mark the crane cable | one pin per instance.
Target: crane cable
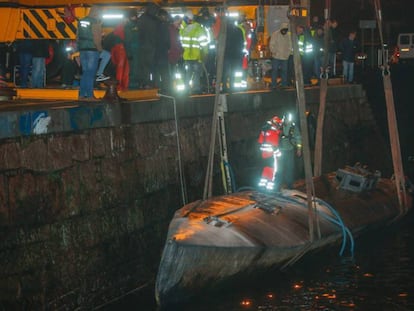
(323, 90)
(208, 183)
(301, 102)
(392, 121)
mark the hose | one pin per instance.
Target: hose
(338, 221)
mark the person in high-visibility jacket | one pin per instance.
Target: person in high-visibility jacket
(247, 39)
(233, 58)
(306, 52)
(269, 146)
(194, 40)
(242, 24)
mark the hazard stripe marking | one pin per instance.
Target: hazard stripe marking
(46, 24)
(41, 19)
(30, 28)
(67, 31)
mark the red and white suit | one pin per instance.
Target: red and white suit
(269, 145)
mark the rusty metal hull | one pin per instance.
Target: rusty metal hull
(210, 241)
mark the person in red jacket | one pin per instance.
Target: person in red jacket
(269, 145)
(119, 55)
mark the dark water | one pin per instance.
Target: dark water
(380, 276)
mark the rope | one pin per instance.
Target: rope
(392, 122)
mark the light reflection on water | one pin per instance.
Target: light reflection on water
(379, 277)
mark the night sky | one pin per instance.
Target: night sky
(397, 14)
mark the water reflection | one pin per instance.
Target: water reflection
(379, 277)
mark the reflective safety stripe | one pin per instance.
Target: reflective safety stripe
(84, 23)
(45, 24)
(270, 185)
(179, 82)
(262, 182)
(266, 148)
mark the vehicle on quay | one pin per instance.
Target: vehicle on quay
(405, 45)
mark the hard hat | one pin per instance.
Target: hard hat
(277, 121)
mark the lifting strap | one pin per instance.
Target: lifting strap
(392, 121)
(301, 102)
(208, 184)
(323, 90)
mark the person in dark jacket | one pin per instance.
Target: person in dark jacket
(148, 36)
(333, 45)
(318, 48)
(161, 73)
(349, 47)
(39, 55)
(71, 65)
(233, 55)
(131, 44)
(175, 53)
(89, 42)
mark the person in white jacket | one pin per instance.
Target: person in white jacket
(280, 46)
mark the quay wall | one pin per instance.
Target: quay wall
(87, 191)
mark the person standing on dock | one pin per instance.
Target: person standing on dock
(25, 54)
(349, 47)
(280, 46)
(39, 54)
(89, 37)
(194, 40)
(131, 44)
(333, 45)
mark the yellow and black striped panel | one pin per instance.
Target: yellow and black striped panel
(46, 24)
